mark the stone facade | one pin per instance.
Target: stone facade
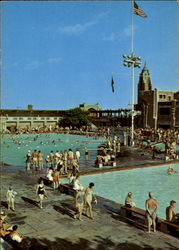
(159, 109)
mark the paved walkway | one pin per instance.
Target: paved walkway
(54, 227)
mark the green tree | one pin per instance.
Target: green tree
(75, 118)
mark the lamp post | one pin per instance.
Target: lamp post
(133, 61)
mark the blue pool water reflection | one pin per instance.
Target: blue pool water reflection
(115, 185)
(15, 147)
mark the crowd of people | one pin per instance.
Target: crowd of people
(12, 235)
(84, 197)
(169, 138)
(85, 130)
(61, 161)
(67, 163)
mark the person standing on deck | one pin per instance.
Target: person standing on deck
(10, 198)
(28, 160)
(51, 159)
(151, 206)
(40, 191)
(89, 196)
(86, 154)
(65, 161)
(40, 160)
(70, 156)
(35, 159)
(77, 154)
(79, 200)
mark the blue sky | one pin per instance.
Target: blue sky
(56, 55)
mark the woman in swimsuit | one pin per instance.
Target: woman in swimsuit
(40, 191)
(89, 196)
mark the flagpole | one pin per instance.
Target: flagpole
(133, 61)
(132, 99)
(132, 26)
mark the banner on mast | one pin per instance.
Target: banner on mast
(138, 11)
(112, 84)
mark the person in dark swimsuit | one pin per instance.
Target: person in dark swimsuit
(86, 154)
(40, 191)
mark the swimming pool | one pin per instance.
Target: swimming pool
(14, 147)
(140, 181)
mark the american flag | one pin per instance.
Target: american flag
(138, 11)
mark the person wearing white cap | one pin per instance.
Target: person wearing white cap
(10, 198)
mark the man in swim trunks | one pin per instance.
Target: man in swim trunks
(35, 159)
(151, 206)
(40, 160)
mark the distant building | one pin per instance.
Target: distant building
(155, 109)
(88, 107)
(13, 119)
(159, 109)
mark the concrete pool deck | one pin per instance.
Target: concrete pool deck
(54, 227)
(129, 158)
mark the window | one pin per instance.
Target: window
(162, 96)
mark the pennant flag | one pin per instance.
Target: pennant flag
(138, 11)
(112, 84)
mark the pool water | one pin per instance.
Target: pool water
(141, 181)
(14, 147)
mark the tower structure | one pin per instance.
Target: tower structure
(144, 83)
(159, 108)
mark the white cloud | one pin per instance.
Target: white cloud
(35, 64)
(110, 37)
(74, 29)
(127, 31)
(54, 60)
(80, 28)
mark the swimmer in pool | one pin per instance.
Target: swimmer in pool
(170, 170)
